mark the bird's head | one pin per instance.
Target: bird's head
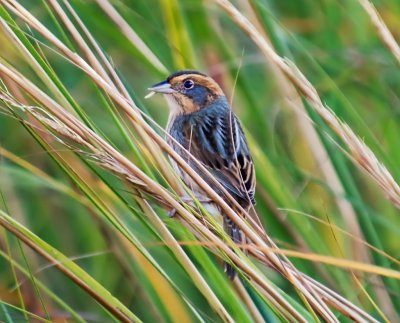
(188, 91)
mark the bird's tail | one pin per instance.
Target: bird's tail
(237, 236)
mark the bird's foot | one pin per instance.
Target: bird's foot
(171, 213)
(189, 200)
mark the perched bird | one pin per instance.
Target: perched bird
(202, 121)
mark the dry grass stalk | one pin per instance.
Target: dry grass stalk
(119, 312)
(115, 82)
(106, 160)
(108, 67)
(366, 159)
(179, 252)
(363, 156)
(333, 299)
(210, 237)
(359, 250)
(155, 188)
(317, 149)
(35, 65)
(91, 59)
(321, 156)
(381, 28)
(126, 107)
(339, 262)
(131, 35)
(269, 257)
(353, 237)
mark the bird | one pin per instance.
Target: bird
(201, 124)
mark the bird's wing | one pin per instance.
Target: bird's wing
(217, 140)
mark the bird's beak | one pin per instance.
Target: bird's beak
(163, 87)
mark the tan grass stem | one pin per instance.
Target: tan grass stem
(131, 113)
(73, 124)
(285, 269)
(118, 311)
(131, 35)
(382, 30)
(362, 155)
(118, 85)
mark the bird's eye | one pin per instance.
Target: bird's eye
(188, 84)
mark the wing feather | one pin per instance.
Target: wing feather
(218, 142)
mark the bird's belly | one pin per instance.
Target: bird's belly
(195, 189)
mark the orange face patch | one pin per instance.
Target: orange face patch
(205, 81)
(184, 104)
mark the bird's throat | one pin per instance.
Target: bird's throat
(180, 104)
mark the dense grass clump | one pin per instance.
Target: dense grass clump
(86, 182)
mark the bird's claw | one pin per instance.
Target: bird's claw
(171, 213)
(189, 200)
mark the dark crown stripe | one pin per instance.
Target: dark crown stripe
(184, 72)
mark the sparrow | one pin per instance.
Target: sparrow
(203, 123)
